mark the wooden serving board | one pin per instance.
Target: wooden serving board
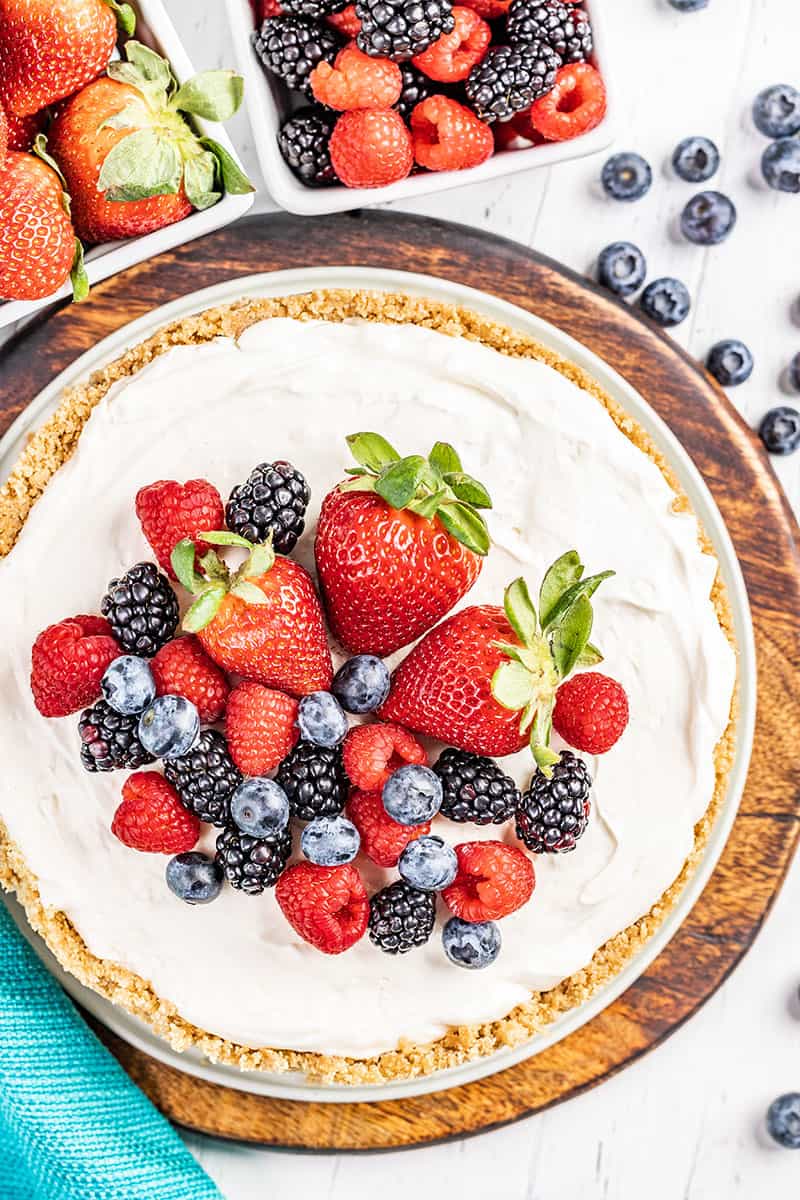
(727, 917)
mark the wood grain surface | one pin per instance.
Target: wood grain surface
(725, 920)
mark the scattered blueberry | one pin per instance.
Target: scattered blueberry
(621, 268)
(730, 362)
(321, 719)
(626, 176)
(412, 795)
(776, 111)
(780, 430)
(794, 372)
(780, 165)
(260, 807)
(428, 863)
(168, 727)
(689, 5)
(330, 841)
(708, 218)
(194, 877)
(666, 301)
(695, 159)
(471, 944)
(361, 684)
(128, 685)
(783, 1120)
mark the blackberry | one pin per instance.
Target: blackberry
(110, 739)
(314, 10)
(554, 812)
(315, 781)
(401, 917)
(564, 28)
(303, 141)
(249, 863)
(142, 610)
(272, 500)
(475, 789)
(416, 88)
(205, 778)
(291, 48)
(400, 29)
(510, 78)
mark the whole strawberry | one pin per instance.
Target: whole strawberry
(327, 906)
(152, 818)
(261, 727)
(398, 545)
(169, 511)
(37, 241)
(182, 668)
(68, 661)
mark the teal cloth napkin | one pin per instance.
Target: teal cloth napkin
(72, 1124)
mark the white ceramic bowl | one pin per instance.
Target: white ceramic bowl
(265, 98)
(154, 27)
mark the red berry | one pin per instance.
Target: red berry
(575, 104)
(345, 22)
(327, 906)
(182, 668)
(261, 727)
(489, 9)
(382, 839)
(452, 56)
(373, 752)
(356, 81)
(591, 712)
(266, 9)
(151, 816)
(68, 660)
(448, 136)
(493, 880)
(371, 147)
(170, 511)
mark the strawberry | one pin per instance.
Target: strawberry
(152, 818)
(591, 712)
(261, 727)
(327, 906)
(68, 661)
(182, 668)
(22, 131)
(3, 135)
(493, 880)
(169, 511)
(264, 622)
(38, 249)
(398, 545)
(383, 839)
(371, 753)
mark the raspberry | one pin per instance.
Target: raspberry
(493, 880)
(266, 9)
(489, 9)
(449, 137)
(261, 726)
(356, 81)
(591, 712)
(382, 839)
(68, 660)
(345, 22)
(371, 148)
(575, 104)
(373, 752)
(151, 816)
(169, 511)
(327, 906)
(453, 55)
(182, 668)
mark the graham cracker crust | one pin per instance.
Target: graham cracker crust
(52, 445)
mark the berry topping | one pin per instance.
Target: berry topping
(695, 159)
(416, 88)
(252, 864)
(666, 301)
(382, 839)
(345, 22)
(780, 165)
(783, 1120)
(776, 111)
(182, 668)
(290, 48)
(313, 9)
(510, 78)
(371, 147)
(622, 268)
(206, 778)
(321, 719)
(151, 816)
(260, 807)
(303, 141)
(261, 727)
(357, 81)
(315, 781)
(575, 104)
(169, 511)
(626, 176)
(493, 880)
(554, 812)
(490, 9)
(168, 727)
(401, 28)
(471, 944)
(591, 712)
(110, 740)
(780, 430)
(362, 684)
(373, 752)
(708, 218)
(194, 877)
(401, 917)
(128, 684)
(448, 136)
(453, 55)
(142, 609)
(428, 863)
(412, 795)
(326, 906)
(272, 500)
(565, 28)
(330, 841)
(730, 362)
(475, 789)
(68, 662)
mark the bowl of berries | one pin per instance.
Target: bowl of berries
(360, 103)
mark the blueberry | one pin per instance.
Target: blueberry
(689, 5)
(260, 807)
(776, 111)
(780, 430)
(695, 159)
(621, 268)
(330, 841)
(361, 684)
(412, 795)
(794, 372)
(730, 362)
(321, 719)
(708, 218)
(780, 165)
(428, 863)
(128, 685)
(168, 728)
(783, 1120)
(626, 176)
(194, 877)
(666, 301)
(471, 944)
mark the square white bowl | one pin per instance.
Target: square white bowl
(154, 27)
(265, 98)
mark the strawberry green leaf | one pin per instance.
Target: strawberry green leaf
(571, 636)
(444, 459)
(363, 483)
(151, 66)
(590, 656)
(249, 592)
(126, 17)
(465, 526)
(468, 489)
(260, 560)
(78, 276)
(564, 572)
(520, 611)
(143, 164)
(223, 537)
(213, 95)
(213, 566)
(199, 178)
(233, 177)
(545, 758)
(584, 587)
(513, 686)
(398, 484)
(372, 451)
(133, 116)
(182, 559)
(541, 732)
(205, 608)
(428, 506)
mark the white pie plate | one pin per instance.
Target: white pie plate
(295, 1086)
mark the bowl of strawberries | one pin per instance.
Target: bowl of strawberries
(359, 103)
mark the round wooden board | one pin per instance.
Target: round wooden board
(727, 917)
